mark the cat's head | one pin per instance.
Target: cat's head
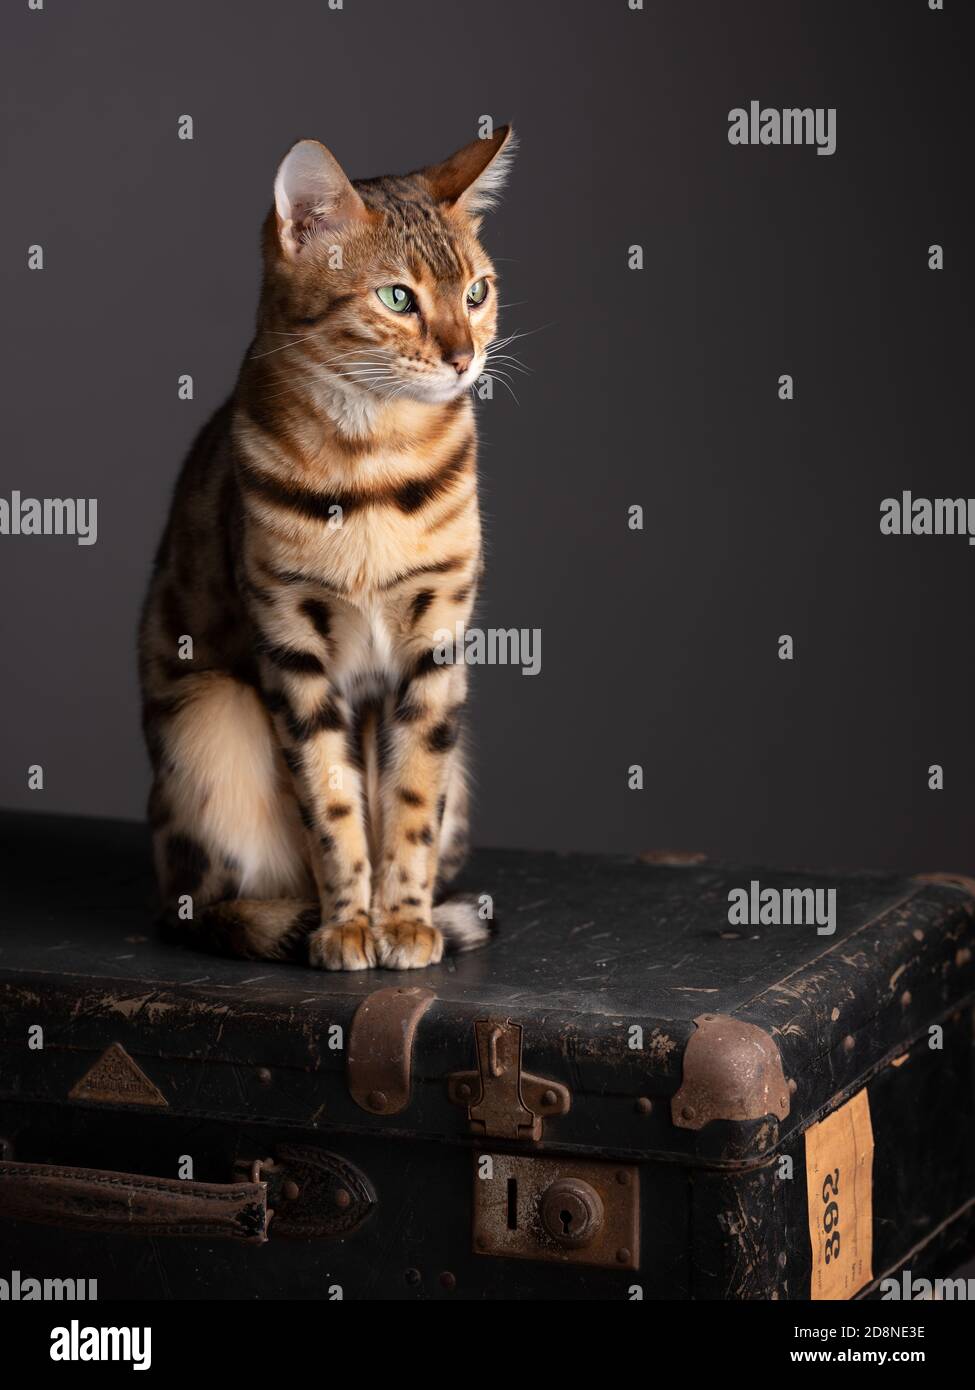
(385, 276)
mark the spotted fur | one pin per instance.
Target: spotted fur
(309, 797)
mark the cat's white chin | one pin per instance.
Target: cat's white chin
(442, 391)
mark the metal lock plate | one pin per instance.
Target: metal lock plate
(564, 1210)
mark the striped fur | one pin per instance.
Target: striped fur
(309, 797)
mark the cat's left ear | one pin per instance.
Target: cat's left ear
(312, 193)
(470, 180)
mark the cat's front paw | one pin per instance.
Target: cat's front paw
(345, 945)
(408, 945)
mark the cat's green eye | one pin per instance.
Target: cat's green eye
(477, 292)
(397, 298)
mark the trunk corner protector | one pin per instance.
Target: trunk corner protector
(731, 1071)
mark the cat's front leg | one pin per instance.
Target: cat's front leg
(312, 722)
(424, 727)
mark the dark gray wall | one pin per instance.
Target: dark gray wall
(655, 387)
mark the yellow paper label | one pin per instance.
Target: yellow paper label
(839, 1189)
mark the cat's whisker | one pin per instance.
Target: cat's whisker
(378, 355)
(528, 333)
(495, 376)
(361, 366)
(509, 361)
(362, 375)
(345, 357)
(282, 347)
(498, 350)
(508, 367)
(382, 383)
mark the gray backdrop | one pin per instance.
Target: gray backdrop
(656, 387)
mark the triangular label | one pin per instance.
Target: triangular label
(116, 1080)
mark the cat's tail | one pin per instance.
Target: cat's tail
(464, 929)
(249, 928)
(279, 928)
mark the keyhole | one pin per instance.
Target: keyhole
(571, 1211)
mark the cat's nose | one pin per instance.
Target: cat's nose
(460, 359)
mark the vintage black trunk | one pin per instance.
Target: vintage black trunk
(622, 1096)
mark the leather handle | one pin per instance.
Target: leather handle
(101, 1201)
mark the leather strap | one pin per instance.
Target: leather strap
(98, 1200)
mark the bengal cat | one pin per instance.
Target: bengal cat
(309, 798)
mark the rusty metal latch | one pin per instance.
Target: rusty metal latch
(503, 1101)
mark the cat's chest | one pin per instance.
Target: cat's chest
(396, 515)
(366, 657)
(371, 546)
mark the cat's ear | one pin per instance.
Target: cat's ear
(471, 179)
(312, 193)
